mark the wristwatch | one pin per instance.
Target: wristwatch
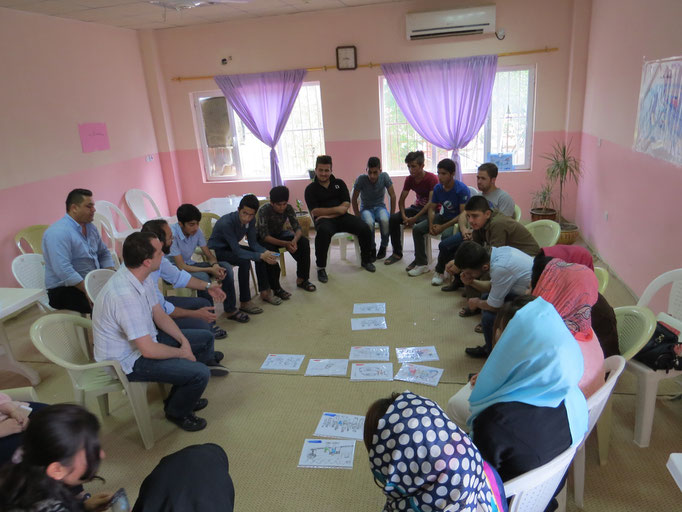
(208, 285)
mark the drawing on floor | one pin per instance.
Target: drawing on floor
(369, 353)
(371, 371)
(345, 426)
(327, 367)
(366, 324)
(289, 362)
(369, 308)
(420, 374)
(416, 354)
(327, 453)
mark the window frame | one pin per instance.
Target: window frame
(487, 126)
(200, 133)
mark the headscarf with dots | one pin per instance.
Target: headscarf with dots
(425, 462)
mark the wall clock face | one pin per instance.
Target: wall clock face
(346, 57)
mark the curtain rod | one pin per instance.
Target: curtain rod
(369, 65)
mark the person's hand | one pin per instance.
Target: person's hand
(451, 268)
(217, 271)
(409, 221)
(269, 257)
(9, 426)
(99, 501)
(319, 217)
(436, 229)
(466, 233)
(472, 380)
(292, 246)
(20, 414)
(186, 352)
(207, 314)
(217, 293)
(473, 303)
(466, 278)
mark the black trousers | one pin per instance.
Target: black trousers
(302, 257)
(244, 271)
(394, 223)
(69, 297)
(326, 228)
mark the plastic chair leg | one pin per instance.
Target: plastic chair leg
(427, 245)
(604, 433)
(579, 476)
(137, 394)
(282, 263)
(647, 386)
(342, 248)
(358, 254)
(103, 404)
(253, 278)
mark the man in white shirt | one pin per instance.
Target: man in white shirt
(125, 316)
(510, 272)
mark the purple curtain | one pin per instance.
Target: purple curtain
(445, 101)
(263, 101)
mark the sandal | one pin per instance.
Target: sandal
(307, 286)
(273, 299)
(478, 329)
(240, 317)
(283, 294)
(251, 309)
(465, 312)
(392, 259)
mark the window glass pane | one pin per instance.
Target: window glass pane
(509, 114)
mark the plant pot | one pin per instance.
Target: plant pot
(569, 234)
(305, 221)
(542, 213)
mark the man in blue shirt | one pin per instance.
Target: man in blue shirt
(452, 195)
(72, 247)
(371, 188)
(227, 233)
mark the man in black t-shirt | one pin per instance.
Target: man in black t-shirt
(328, 201)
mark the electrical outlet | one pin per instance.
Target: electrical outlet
(606, 216)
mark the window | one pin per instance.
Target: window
(232, 152)
(508, 128)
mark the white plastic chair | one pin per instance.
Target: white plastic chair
(343, 239)
(95, 281)
(546, 232)
(473, 191)
(517, 213)
(62, 339)
(532, 491)
(110, 211)
(613, 366)
(26, 394)
(602, 278)
(29, 271)
(135, 198)
(647, 379)
(105, 230)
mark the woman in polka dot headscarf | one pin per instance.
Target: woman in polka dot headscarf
(424, 462)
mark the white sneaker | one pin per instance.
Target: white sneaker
(418, 270)
(437, 279)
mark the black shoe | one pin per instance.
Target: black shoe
(382, 253)
(452, 287)
(322, 275)
(190, 423)
(201, 404)
(218, 333)
(369, 266)
(477, 352)
(373, 256)
(217, 369)
(218, 356)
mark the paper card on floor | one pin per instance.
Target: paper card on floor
(327, 453)
(369, 308)
(345, 426)
(371, 371)
(416, 354)
(420, 374)
(282, 362)
(370, 322)
(376, 353)
(327, 367)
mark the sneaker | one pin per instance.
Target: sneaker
(382, 253)
(322, 275)
(218, 356)
(369, 266)
(418, 270)
(217, 369)
(201, 404)
(479, 352)
(437, 279)
(190, 423)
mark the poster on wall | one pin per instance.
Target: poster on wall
(659, 120)
(93, 136)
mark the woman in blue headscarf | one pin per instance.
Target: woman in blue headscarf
(424, 462)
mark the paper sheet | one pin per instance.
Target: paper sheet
(371, 371)
(344, 426)
(419, 374)
(327, 367)
(369, 308)
(282, 362)
(327, 453)
(367, 323)
(375, 353)
(416, 354)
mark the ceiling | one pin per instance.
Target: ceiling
(140, 14)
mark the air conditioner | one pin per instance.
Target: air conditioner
(455, 22)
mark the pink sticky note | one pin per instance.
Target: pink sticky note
(93, 137)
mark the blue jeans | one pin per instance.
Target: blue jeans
(488, 321)
(189, 379)
(227, 285)
(447, 249)
(201, 340)
(419, 232)
(191, 303)
(377, 214)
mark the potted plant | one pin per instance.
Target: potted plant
(541, 206)
(303, 218)
(562, 168)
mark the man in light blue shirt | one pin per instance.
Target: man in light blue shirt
(72, 247)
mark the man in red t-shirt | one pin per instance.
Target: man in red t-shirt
(422, 183)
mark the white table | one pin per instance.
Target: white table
(222, 205)
(12, 301)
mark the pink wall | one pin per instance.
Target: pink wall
(626, 184)
(57, 73)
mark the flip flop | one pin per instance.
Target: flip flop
(283, 294)
(465, 312)
(274, 300)
(392, 259)
(307, 286)
(240, 317)
(478, 329)
(252, 310)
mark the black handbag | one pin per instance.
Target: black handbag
(659, 352)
